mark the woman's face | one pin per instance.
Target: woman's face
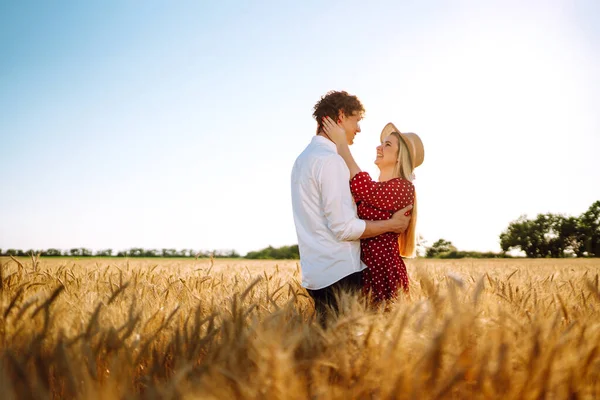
(387, 152)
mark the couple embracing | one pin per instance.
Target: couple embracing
(353, 230)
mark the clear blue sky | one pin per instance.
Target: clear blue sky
(176, 124)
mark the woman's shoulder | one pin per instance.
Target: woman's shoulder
(401, 183)
(362, 176)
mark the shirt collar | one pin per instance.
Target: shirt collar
(323, 141)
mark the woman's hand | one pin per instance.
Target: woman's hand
(335, 132)
(337, 135)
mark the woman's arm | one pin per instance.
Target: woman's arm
(338, 136)
(388, 196)
(344, 151)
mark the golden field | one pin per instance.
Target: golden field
(108, 328)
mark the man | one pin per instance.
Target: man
(324, 212)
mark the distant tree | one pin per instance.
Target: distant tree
(554, 235)
(217, 254)
(522, 234)
(51, 253)
(223, 254)
(264, 254)
(272, 253)
(200, 254)
(439, 248)
(169, 253)
(75, 252)
(135, 252)
(151, 253)
(454, 254)
(233, 254)
(549, 231)
(589, 230)
(184, 253)
(572, 237)
(192, 253)
(104, 253)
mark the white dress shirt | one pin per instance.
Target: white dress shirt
(325, 216)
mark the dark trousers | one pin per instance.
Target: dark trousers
(325, 298)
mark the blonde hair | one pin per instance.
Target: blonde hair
(403, 169)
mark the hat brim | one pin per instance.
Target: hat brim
(387, 129)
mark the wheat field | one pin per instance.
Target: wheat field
(111, 328)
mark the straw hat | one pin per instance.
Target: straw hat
(412, 140)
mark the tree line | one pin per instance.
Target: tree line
(547, 235)
(268, 253)
(272, 253)
(555, 235)
(445, 249)
(133, 252)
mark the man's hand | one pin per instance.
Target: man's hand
(400, 219)
(397, 224)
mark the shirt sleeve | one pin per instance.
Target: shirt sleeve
(337, 203)
(388, 196)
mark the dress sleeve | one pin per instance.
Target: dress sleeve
(389, 196)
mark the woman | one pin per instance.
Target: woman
(397, 156)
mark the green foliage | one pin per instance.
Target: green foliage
(472, 254)
(80, 252)
(445, 249)
(169, 253)
(51, 253)
(133, 252)
(589, 230)
(439, 248)
(271, 253)
(554, 235)
(548, 235)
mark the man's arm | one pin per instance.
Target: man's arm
(336, 200)
(398, 224)
(340, 212)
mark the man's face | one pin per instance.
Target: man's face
(351, 125)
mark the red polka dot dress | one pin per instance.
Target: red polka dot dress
(377, 201)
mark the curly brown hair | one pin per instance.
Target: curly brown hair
(333, 102)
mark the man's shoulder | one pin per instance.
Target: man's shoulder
(318, 154)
